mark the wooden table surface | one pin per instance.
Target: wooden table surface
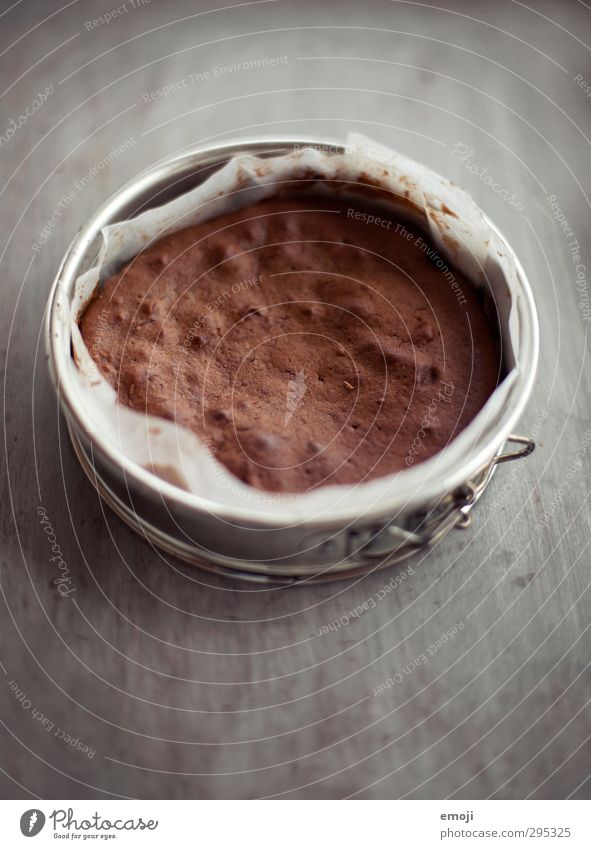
(151, 679)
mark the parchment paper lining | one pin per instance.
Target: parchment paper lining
(458, 231)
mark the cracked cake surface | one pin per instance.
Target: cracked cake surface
(305, 341)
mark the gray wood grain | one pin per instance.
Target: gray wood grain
(184, 685)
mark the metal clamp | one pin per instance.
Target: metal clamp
(396, 543)
(528, 447)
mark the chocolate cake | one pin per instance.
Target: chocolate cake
(305, 341)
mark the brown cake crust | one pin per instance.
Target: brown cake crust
(303, 344)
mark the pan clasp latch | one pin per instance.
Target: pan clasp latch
(395, 543)
(527, 444)
(483, 477)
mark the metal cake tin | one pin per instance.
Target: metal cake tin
(249, 543)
